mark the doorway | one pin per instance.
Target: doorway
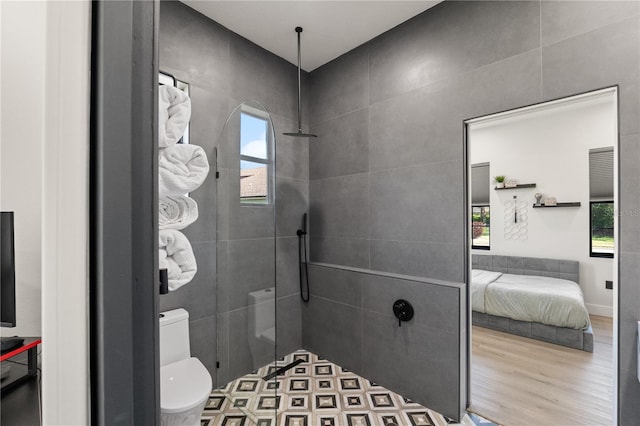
(543, 194)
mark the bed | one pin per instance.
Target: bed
(531, 297)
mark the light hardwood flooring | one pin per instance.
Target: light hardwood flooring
(518, 381)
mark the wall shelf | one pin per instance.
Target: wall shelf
(519, 186)
(542, 206)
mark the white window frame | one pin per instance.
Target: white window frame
(268, 162)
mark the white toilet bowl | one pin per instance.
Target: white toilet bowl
(185, 384)
(184, 390)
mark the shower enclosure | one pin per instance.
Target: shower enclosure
(246, 263)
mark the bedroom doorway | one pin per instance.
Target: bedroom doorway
(542, 214)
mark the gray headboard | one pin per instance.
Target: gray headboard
(555, 268)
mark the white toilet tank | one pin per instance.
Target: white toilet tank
(174, 336)
(262, 313)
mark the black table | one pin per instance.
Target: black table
(31, 347)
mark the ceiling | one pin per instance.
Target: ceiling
(331, 28)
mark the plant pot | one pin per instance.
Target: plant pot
(499, 184)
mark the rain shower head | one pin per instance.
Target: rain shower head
(299, 133)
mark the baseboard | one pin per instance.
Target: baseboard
(600, 310)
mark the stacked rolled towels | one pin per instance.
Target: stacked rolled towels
(177, 211)
(182, 168)
(176, 255)
(174, 113)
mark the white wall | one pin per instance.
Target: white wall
(65, 248)
(21, 142)
(550, 147)
(44, 73)
(0, 109)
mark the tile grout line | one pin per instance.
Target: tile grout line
(541, 67)
(370, 192)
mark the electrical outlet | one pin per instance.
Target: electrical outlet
(608, 285)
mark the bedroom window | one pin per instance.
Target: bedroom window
(601, 207)
(480, 206)
(481, 227)
(255, 160)
(602, 229)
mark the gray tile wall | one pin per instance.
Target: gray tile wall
(390, 113)
(349, 320)
(224, 69)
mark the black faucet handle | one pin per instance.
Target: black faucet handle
(403, 310)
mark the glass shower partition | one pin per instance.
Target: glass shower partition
(246, 267)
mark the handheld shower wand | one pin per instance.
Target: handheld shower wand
(302, 247)
(302, 232)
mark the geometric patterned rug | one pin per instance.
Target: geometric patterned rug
(316, 392)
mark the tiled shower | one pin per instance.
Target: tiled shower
(384, 182)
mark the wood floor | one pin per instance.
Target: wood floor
(518, 381)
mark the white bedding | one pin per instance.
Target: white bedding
(480, 279)
(530, 298)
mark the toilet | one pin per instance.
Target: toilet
(262, 325)
(185, 384)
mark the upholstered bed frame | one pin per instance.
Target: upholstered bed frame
(555, 268)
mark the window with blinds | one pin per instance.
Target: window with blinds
(601, 174)
(480, 210)
(480, 184)
(601, 204)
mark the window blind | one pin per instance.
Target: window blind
(601, 173)
(480, 184)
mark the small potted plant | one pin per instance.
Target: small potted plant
(499, 180)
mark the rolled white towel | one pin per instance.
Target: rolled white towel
(176, 255)
(174, 112)
(182, 169)
(177, 211)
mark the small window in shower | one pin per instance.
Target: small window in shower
(255, 158)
